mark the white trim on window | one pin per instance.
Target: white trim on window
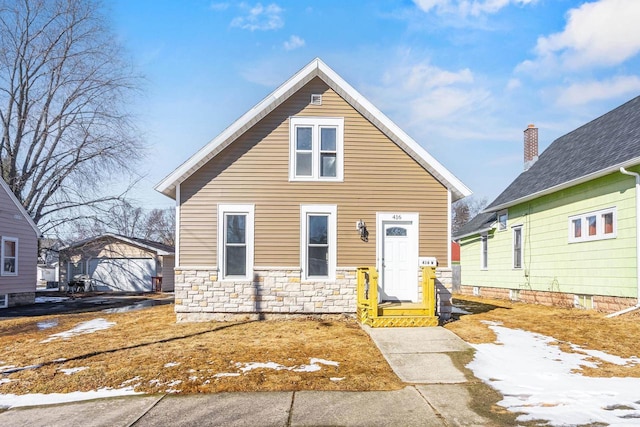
(6, 267)
(330, 211)
(517, 247)
(596, 225)
(224, 211)
(316, 125)
(4, 300)
(503, 219)
(484, 251)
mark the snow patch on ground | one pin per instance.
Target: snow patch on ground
(536, 379)
(70, 371)
(8, 401)
(42, 300)
(88, 327)
(314, 366)
(47, 324)
(171, 364)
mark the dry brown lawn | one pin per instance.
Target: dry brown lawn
(619, 336)
(148, 350)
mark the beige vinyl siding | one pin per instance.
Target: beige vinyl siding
(14, 224)
(378, 177)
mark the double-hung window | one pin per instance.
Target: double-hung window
(484, 258)
(316, 149)
(9, 257)
(235, 241)
(593, 226)
(517, 247)
(318, 241)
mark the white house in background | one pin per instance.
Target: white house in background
(118, 263)
(18, 251)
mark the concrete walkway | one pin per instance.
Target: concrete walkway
(436, 395)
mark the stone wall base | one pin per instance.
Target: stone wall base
(23, 298)
(276, 293)
(247, 317)
(605, 304)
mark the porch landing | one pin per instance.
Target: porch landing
(395, 314)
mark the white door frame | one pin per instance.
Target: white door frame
(399, 217)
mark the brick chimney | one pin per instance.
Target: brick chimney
(530, 146)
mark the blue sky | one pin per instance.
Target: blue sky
(464, 78)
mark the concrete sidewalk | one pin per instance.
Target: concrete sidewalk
(436, 396)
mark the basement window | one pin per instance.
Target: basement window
(4, 300)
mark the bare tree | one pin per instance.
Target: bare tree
(464, 210)
(64, 87)
(127, 220)
(160, 226)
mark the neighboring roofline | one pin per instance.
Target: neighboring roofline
(472, 233)
(585, 178)
(21, 208)
(119, 237)
(315, 68)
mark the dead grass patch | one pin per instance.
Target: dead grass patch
(147, 349)
(619, 336)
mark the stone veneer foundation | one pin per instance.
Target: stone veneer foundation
(23, 298)
(606, 304)
(275, 292)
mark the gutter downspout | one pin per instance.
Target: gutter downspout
(637, 306)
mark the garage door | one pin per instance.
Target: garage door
(122, 274)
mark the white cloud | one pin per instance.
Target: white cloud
(467, 7)
(294, 42)
(514, 84)
(260, 17)
(583, 93)
(431, 93)
(601, 33)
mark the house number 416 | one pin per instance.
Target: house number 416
(397, 217)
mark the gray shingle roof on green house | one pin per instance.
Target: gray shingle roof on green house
(595, 149)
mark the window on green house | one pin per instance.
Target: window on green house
(517, 247)
(593, 226)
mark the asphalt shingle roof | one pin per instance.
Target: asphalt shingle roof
(607, 141)
(479, 222)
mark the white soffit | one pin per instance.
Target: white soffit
(315, 68)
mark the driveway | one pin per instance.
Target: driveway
(64, 303)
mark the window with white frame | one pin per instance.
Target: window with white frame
(484, 247)
(235, 241)
(596, 225)
(9, 256)
(316, 149)
(318, 241)
(502, 220)
(517, 247)
(4, 300)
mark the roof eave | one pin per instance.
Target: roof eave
(598, 174)
(473, 233)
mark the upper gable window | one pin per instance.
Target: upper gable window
(502, 220)
(316, 149)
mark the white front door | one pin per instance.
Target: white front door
(398, 256)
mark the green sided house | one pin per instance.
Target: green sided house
(565, 232)
(276, 213)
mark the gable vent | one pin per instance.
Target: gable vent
(316, 99)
